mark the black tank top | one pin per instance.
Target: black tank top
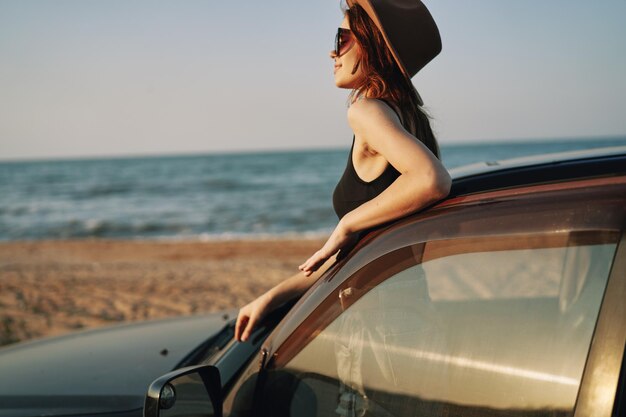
(351, 191)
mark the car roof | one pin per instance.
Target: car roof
(539, 169)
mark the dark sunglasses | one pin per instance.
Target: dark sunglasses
(343, 41)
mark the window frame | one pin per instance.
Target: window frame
(598, 386)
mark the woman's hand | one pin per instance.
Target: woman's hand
(340, 238)
(250, 315)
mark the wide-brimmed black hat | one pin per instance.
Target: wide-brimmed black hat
(409, 31)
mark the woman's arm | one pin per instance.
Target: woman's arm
(423, 179)
(294, 286)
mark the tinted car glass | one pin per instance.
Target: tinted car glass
(452, 313)
(482, 325)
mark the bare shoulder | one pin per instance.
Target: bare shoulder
(367, 108)
(367, 113)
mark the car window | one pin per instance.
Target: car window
(490, 304)
(497, 325)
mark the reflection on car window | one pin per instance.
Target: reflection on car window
(473, 326)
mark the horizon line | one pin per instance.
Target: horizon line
(252, 151)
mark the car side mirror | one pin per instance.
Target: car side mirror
(186, 392)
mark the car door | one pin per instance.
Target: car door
(486, 305)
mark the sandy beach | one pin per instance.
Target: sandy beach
(54, 287)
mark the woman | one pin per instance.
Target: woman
(393, 167)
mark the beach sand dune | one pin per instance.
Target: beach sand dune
(54, 287)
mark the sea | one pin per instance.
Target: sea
(203, 196)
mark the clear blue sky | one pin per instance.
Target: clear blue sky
(127, 77)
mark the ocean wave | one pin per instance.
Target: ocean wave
(103, 190)
(228, 236)
(21, 210)
(198, 197)
(101, 231)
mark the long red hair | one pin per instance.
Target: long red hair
(384, 79)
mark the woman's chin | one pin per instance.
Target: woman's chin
(350, 81)
(340, 83)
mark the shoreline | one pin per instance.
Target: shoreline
(197, 238)
(53, 287)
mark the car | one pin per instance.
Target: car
(106, 371)
(504, 299)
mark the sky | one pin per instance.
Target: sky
(146, 77)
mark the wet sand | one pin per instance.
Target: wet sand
(54, 287)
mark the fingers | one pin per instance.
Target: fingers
(246, 322)
(305, 266)
(313, 263)
(240, 325)
(248, 329)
